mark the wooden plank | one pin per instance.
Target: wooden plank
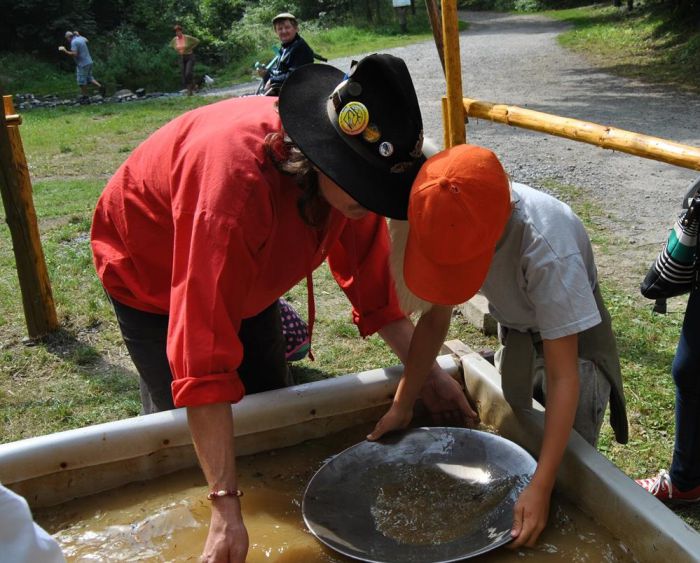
(434, 16)
(16, 189)
(453, 73)
(603, 136)
(11, 118)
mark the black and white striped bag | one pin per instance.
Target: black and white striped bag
(674, 272)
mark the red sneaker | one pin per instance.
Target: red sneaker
(662, 488)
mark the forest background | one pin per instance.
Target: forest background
(129, 38)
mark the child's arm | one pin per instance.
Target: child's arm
(427, 339)
(532, 508)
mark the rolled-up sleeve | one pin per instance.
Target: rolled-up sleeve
(359, 262)
(213, 271)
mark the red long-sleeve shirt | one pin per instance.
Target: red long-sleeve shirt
(199, 225)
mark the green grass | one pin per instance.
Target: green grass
(642, 44)
(646, 344)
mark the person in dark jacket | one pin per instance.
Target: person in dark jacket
(294, 52)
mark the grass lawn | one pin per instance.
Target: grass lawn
(82, 374)
(641, 44)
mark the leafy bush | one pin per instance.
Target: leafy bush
(128, 63)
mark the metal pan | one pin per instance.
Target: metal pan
(428, 495)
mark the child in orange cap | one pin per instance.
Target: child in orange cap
(470, 230)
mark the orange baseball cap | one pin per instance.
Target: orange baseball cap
(458, 208)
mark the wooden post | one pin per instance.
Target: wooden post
(434, 16)
(446, 124)
(453, 73)
(603, 136)
(16, 188)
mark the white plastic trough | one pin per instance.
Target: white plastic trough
(52, 469)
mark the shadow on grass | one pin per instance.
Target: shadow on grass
(109, 379)
(305, 374)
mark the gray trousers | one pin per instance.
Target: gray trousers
(594, 394)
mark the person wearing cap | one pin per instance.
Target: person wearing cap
(185, 45)
(220, 212)
(83, 62)
(294, 52)
(469, 229)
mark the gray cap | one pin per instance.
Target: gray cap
(284, 16)
(69, 34)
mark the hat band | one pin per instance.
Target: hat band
(355, 144)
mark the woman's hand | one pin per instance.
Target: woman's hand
(446, 401)
(530, 516)
(227, 541)
(396, 419)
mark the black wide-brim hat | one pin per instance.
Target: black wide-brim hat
(363, 130)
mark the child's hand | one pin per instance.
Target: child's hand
(396, 419)
(530, 516)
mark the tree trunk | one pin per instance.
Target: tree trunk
(401, 12)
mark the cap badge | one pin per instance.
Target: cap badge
(372, 133)
(386, 149)
(401, 167)
(418, 148)
(353, 118)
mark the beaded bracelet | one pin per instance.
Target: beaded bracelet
(213, 495)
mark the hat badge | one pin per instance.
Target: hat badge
(386, 149)
(353, 118)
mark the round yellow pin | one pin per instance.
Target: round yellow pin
(353, 118)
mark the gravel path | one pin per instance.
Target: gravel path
(516, 60)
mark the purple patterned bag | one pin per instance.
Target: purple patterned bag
(295, 332)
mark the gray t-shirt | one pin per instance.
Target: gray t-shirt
(79, 45)
(543, 273)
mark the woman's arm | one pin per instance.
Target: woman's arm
(211, 427)
(532, 508)
(417, 348)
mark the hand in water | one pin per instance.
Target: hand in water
(227, 541)
(530, 516)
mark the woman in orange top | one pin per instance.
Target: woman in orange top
(184, 45)
(218, 213)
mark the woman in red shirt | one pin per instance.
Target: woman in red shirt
(218, 213)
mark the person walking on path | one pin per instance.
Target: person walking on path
(185, 45)
(294, 53)
(220, 212)
(83, 62)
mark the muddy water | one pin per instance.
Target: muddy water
(166, 519)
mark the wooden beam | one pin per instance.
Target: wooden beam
(434, 16)
(16, 189)
(603, 136)
(453, 74)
